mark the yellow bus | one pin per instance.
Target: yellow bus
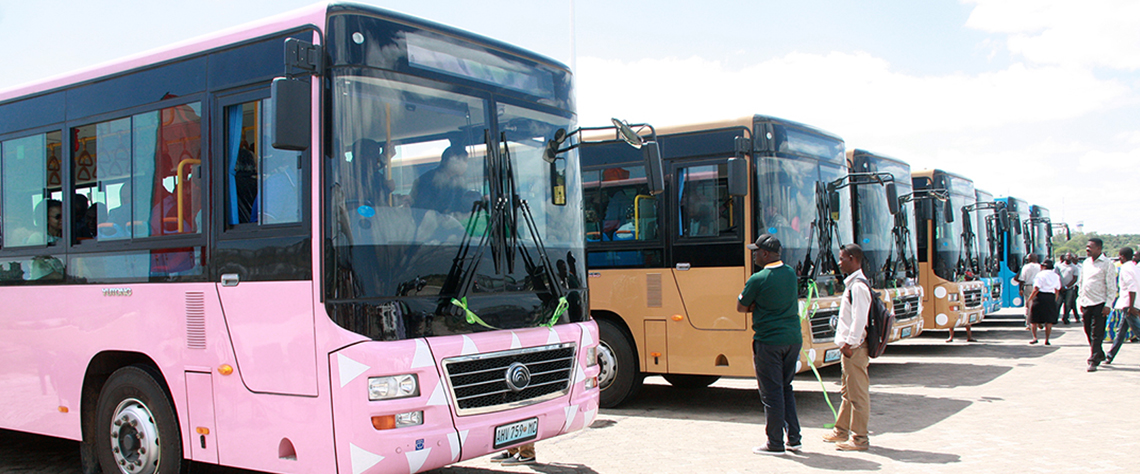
(949, 300)
(664, 272)
(885, 230)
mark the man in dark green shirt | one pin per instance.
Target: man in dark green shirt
(771, 296)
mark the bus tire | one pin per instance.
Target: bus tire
(690, 381)
(619, 377)
(136, 426)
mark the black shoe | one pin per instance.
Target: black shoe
(767, 450)
(1092, 367)
(1033, 341)
(503, 456)
(519, 460)
(1047, 343)
(1108, 360)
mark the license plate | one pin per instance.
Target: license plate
(832, 355)
(516, 432)
(905, 333)
(973, 318)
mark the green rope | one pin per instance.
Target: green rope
(472, 318)
(813, 292)
(563, 305)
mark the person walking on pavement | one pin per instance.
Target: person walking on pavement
(850, 431)
(772, 297)
(1068, 270)
(1126, 301)
(1097, 291)
(1044, 297)
(1024, 280)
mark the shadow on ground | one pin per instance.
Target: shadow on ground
(739, 405)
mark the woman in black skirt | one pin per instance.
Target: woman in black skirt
(1043, 312)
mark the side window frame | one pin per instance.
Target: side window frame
(220, 147)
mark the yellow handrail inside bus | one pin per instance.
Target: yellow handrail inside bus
(178, 187)
(637, 214)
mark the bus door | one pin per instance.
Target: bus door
(707, 257)
(263, 253)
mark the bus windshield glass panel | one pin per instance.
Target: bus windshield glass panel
(875, 232)
(949, 247)
(787, 201)
(412, 170)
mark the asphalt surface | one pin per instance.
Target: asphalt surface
(999, 405)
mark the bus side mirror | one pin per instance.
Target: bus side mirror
(291, 114)
(948, 210)
(737, 176)
(654, 169)
(892, 198)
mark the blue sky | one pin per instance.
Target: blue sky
(1032, 98)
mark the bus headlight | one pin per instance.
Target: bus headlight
(954, 296)
(592, 356)
(392, 387)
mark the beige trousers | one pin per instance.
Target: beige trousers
(855, 411)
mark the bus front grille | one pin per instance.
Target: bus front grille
(972, 297)
(906, 307)
(479, 382)
(823, 325)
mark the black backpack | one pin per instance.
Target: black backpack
(880, 322)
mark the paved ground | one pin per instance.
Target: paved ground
(999, 406)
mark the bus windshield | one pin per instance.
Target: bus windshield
(985, 232)
(412, 172)
(875, 232)
(787, 201)
(1041, 230)
(950, 254)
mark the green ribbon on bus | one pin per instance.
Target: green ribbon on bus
(472, 318)
(813, 293)
(563, 305)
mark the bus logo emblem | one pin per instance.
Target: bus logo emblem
(518, 377)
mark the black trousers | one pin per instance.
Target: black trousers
(1094, 320)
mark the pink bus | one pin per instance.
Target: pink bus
(336, 240)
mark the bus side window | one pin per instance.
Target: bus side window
(703, 202)
(263, 184)
(30, 178)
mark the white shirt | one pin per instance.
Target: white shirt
(1028, 273)
(1068, 273)
(1129, 281)
(1047, 282)
(851, 328)
(1098, 282)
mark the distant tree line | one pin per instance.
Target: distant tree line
(1112, 243)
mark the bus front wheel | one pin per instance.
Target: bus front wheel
(619, 377)
(137, 431)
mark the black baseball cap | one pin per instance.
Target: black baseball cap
(766, 242)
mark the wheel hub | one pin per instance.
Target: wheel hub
(607, 365)
(134, 438)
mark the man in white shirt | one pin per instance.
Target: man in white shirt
(1126, 302)
(1097, 292)
(1067, 270)
(850, 334)
(1025, 281)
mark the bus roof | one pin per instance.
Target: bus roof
(741, 122)
(859, 151)
(312, 15)
(930, 172)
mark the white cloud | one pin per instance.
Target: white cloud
(1097, 33)
(844, 93)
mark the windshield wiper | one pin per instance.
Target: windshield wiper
(536, 272)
